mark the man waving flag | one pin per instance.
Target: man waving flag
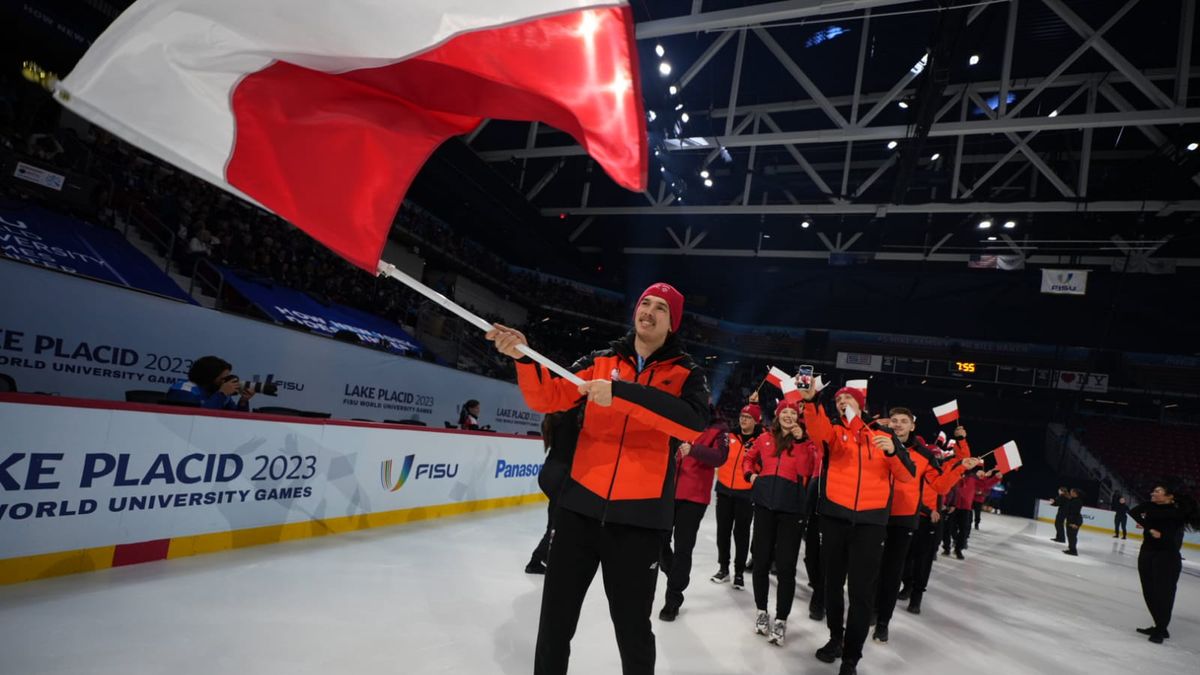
(324, 111)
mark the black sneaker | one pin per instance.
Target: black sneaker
(905, 593)
(1152, 630)
(720, 577)
(668, 613)
(738, 582)
(1070, 552)
(945, 551)
(832, 651)
(848, 668)
(914, 607)
(959, 555)
(816, 612)
(881, 633)
(1157, 638)
(535, 567)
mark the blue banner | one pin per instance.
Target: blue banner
(34, 235)
(286, 305)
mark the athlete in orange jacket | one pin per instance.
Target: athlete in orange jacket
(644, 395)
(856, 496)
(735, 510)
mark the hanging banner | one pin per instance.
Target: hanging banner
(1064, 282)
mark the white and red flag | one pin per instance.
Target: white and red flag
(323, 112)
(1008, 457)
(947, 412)
(786, 383)
(941, 438)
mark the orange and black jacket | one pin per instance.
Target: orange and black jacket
(856, 484)
(623, 470)
(939, 483)
(731, 480)
(908, 496)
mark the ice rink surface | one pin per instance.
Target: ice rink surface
(450, 596)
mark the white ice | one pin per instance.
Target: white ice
(450, 596)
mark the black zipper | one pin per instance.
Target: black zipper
(858, 485)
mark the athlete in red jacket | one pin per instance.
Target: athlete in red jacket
(735, 510)
(778, 466)
(696, 464)
(862, 464)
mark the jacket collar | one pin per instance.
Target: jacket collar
(671, 349)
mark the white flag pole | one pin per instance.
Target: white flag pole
(390, 270)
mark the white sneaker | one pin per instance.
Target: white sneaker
(762, 623)
(778, 630)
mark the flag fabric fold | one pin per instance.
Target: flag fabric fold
(947, 412)
(324, 114)
(785, 383)
(1008, 457)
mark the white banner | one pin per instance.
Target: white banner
(1075, 380)
(854, 361)
(75, 477)
(98, 341)
(39, 176)
(1064, 282)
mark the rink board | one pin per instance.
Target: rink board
(87, 485)
(1101, 520)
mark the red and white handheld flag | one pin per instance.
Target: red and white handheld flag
(324, 112)
(947, 412)
(858, 384)
(1008, 457)
(786, 383)
(941, 438)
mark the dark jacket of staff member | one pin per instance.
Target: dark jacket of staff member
(644, 395)
(1074, 520)
(1060, 500)
(1163, 521)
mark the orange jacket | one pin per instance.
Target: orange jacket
(908, 495)
(731, 480)
(622, 471)
(857, 483)
(941, 482)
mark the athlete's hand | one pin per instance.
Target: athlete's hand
(886, 444)
(960, 432)
(1156, 534)
(598, 392)
(972, 462)
(685, 449)
(754, 396)
(507, 340)
(935, 517)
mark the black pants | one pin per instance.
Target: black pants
(1060, 524)
(947, 530)
(679, 563)
(1072, 537)
(733, 517)
(978, 513)
(1159, 571)
(891, 569)
(777, 537)
(1119, 526)
(962, 528)
(850, 553)
(542, 552)
(920, 557)
(812, 561)
(628, 560)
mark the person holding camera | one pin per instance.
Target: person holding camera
(211, 385)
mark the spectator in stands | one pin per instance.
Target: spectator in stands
(1120, 509)
(210, 385)
(468, 416)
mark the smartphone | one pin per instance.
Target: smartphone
(804, 379)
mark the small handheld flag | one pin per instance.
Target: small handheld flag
(947, 412)
(1008, 458)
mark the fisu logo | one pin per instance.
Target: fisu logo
(385, 473)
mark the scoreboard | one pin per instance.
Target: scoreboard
(971, 371)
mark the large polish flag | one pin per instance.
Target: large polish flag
(323, 111)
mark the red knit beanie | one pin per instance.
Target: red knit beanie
(786, 404)
(858, 395)
(674, 301)
(753, 411)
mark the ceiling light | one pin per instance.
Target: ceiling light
(1192, 147)
(684, 118)
(707, 182)
(679, 106)
(935, 156)
(985, 223)
(992, 238)
(1010, 224)
(664, 68)
(658, 49)
(1053, 113)
(903, 105)
(651, 115)
(892, 145)
(924, 381)
(662, 169)
(766, 236)
(974, 60)
(805, 224)
(704, 173)
(673, 90)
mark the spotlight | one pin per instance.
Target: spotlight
(673, 90)
(985, 224)
(805, 224)
(684, 118)
(707, 182)
(662, 169)
(657, 152)
(651, 115)
(974, 60)
(892, 145)
(664, 68)
(658, 49)
(903, 105)
(1010, 224)
(935, 156)
(1053, 113)
(678, 106)
(1192, 147)
(991, 239)
(704, 173)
